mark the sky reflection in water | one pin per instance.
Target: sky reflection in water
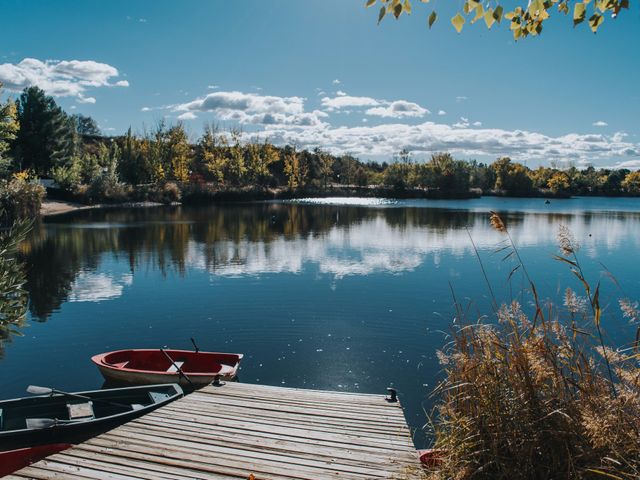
(322, 295)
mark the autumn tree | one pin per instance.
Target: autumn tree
(559, 182)
(236, 164)
(294, 169)
(631, 183)
(260, 156)
(8, 129)
(178, 152)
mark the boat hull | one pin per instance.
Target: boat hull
(119, 377)
(187, 368)
(13, 460)
(112, 408)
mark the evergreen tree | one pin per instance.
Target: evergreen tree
(47, 136)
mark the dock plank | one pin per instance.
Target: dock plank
(235, 430)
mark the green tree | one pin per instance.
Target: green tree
(86, 125)
(47, 136)
(132, 162)
(512, 178)
(8, 128)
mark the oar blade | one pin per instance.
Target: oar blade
(35, 390)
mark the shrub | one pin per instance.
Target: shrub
(20, 198)
(168, 192)
(67, 177)
(540, 396)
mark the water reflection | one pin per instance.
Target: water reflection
(341, 241)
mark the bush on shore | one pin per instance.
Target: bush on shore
(20, 197)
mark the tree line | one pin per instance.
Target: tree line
(37, 136)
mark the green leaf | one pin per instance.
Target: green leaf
(458, 22)
(371, 3)
(578, 13)
(595, 21)
(432, 18)
(383, 12)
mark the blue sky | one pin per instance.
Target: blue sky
(322, 73)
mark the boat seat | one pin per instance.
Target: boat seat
(119, 365)
(172, 368)
(80, 411)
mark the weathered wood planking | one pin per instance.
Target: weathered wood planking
(236, 430)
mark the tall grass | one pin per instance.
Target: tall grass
(540, 396)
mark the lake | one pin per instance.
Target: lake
(340, 294)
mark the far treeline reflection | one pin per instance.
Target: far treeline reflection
(159, 237)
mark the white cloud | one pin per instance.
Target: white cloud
(477, 124)
(336, 82)
(600, 123)
(213, 87)
(142, 20)
(340, 93)
(441, 112)
(64, 78)
(428, 137)
(463, 123)
(187, 116)
(461, 98)
(253, 108)
(398, 109)
(345, 101)
(82, 99)
(145, 109)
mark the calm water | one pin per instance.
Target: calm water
(347, 294)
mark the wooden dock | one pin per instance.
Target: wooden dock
(242, 431)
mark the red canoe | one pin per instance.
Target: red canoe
(13, 460)
(148, 367)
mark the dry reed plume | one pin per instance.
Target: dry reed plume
(541, 397)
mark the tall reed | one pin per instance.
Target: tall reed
(540, 396)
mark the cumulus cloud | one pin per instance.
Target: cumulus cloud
(67, 78)
(187, 116)
(398, 109)
(347, 101)
(336, 82)
(600, 123)
(285, 120)
(441, 112)
(378, 108)
(254, 108)
(428, 137)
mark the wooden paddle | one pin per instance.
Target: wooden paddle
(180, 372)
